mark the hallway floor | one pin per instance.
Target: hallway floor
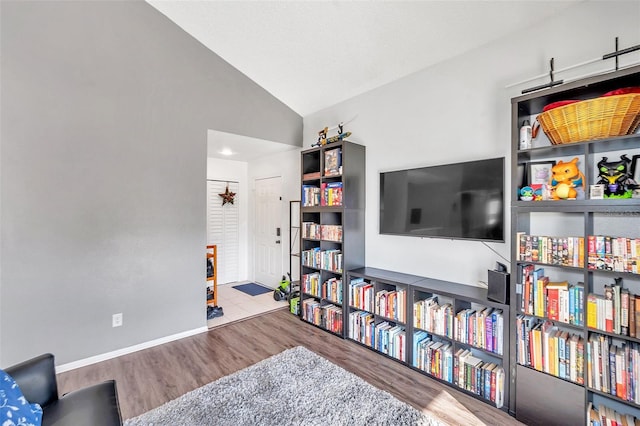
(238, 305)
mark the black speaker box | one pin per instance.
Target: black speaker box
(498, 283)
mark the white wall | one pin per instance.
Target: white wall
(236, 171)
(460, 110)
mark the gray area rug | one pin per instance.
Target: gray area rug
(295, 387)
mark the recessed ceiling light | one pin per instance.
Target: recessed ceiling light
(226, 151)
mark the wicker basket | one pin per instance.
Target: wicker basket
(597, 118)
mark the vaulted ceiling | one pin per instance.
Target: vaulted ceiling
(314, 54)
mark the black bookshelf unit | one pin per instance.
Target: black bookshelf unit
(556, 239)
(388, 313)
(332, 229)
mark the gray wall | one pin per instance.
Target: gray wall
(105, 108)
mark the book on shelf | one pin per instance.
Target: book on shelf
(418, 337)
(548, 353)
(499, 386)
(632, 315)
(540, 293)
(636, 298)
(333, 162)
(311, 175)
(580, 361)
(555, 299)
(624, 311)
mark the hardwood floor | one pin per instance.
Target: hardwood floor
(151, 377)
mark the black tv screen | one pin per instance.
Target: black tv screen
(456, 201)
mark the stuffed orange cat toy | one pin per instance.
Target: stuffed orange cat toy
(565, 177)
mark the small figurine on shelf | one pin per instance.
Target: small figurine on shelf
(616, 177)
(527, 193)
(322, 137)
(565, 178)
(533, 192)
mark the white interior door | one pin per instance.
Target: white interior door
(268, 233)
(223, 229)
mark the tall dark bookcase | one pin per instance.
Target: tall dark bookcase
(562, 391)
(332, 229)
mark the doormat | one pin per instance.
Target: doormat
(252, 289)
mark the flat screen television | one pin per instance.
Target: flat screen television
(454, 201)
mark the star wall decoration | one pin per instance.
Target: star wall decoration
(227, 196)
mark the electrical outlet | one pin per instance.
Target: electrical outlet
(116, 320)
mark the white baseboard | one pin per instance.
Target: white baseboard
(124, 351)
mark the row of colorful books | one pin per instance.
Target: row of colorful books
(361, 326)
(543, 346)
(604, 252)
(619, 254)
(429, 315)
(556, 300)
(614, 369)
(311, 283)
(332, 290)
(361, 294)
(328, 317)
(617, 311)
(330, 260)
(463, 369)
(390, 339)
(384, 336)
(482, 328)
(391, 304)
(604, 416)
(331, 194)
(434, 357)
(316, 231)
(310, 196)
(566, 251)
(387, 303)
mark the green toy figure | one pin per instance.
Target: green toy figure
(616, 177)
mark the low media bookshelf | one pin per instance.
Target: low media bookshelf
(448, 331)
